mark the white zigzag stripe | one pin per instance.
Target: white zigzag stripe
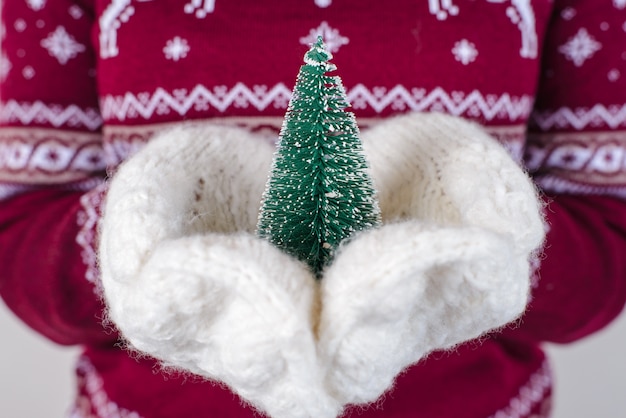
(57, 116)
(455, 103)
(565, 117)
(129, 105)
(145, 105)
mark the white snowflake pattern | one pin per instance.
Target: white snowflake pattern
(332, 38)
(28, 72)
(464, 51)
(323, 3)
(36, 4)
(62, 45)
(620, 4)
(580, 47)
(176, 48)
(75, 11)
(568, 13)
(20, 25)
(200, 8)
(613, 75)
(442, 8)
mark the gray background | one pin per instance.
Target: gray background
(36, 377)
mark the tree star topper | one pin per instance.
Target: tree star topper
(319, 191)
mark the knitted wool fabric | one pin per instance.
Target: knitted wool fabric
(188, 284)
(462, 222)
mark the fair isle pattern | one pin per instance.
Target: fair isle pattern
(88, 218)
(48, 156)
(532, 396)
(598, 116)
(161, 102)
(519, 12)
(579, 162)
(121, 142)
(92, 400)
(512, 137)
(43, 114)
(398, 98)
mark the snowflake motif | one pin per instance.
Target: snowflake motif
(36, 4)
(442, 8)
(613, 75)
(568, 13)
(580, 47)
(379, 92)
(398, 104)
(201, 105)
(201, 8)
(176, 48)
(464, 51)
(20, 25)
(75, 11)
(323, 3)
(180, 95)
(332, 38)
(62, 45)
(28, 72)
(620, 4)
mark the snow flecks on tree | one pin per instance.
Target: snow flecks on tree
(319, 191)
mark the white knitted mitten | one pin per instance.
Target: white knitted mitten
(187, 282)
(461, 221)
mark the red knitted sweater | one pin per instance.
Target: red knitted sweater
(86, 82)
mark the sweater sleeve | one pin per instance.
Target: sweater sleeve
(50, 158)
(577, 153)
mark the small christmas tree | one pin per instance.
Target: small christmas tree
(319, 191)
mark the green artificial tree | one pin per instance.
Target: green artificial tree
(319, 191)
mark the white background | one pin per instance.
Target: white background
(36, 377)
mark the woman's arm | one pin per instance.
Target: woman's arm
(577, 153)
(50, 156)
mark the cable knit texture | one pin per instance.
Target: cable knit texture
(187, 282)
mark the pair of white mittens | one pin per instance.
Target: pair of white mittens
(188, 282)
